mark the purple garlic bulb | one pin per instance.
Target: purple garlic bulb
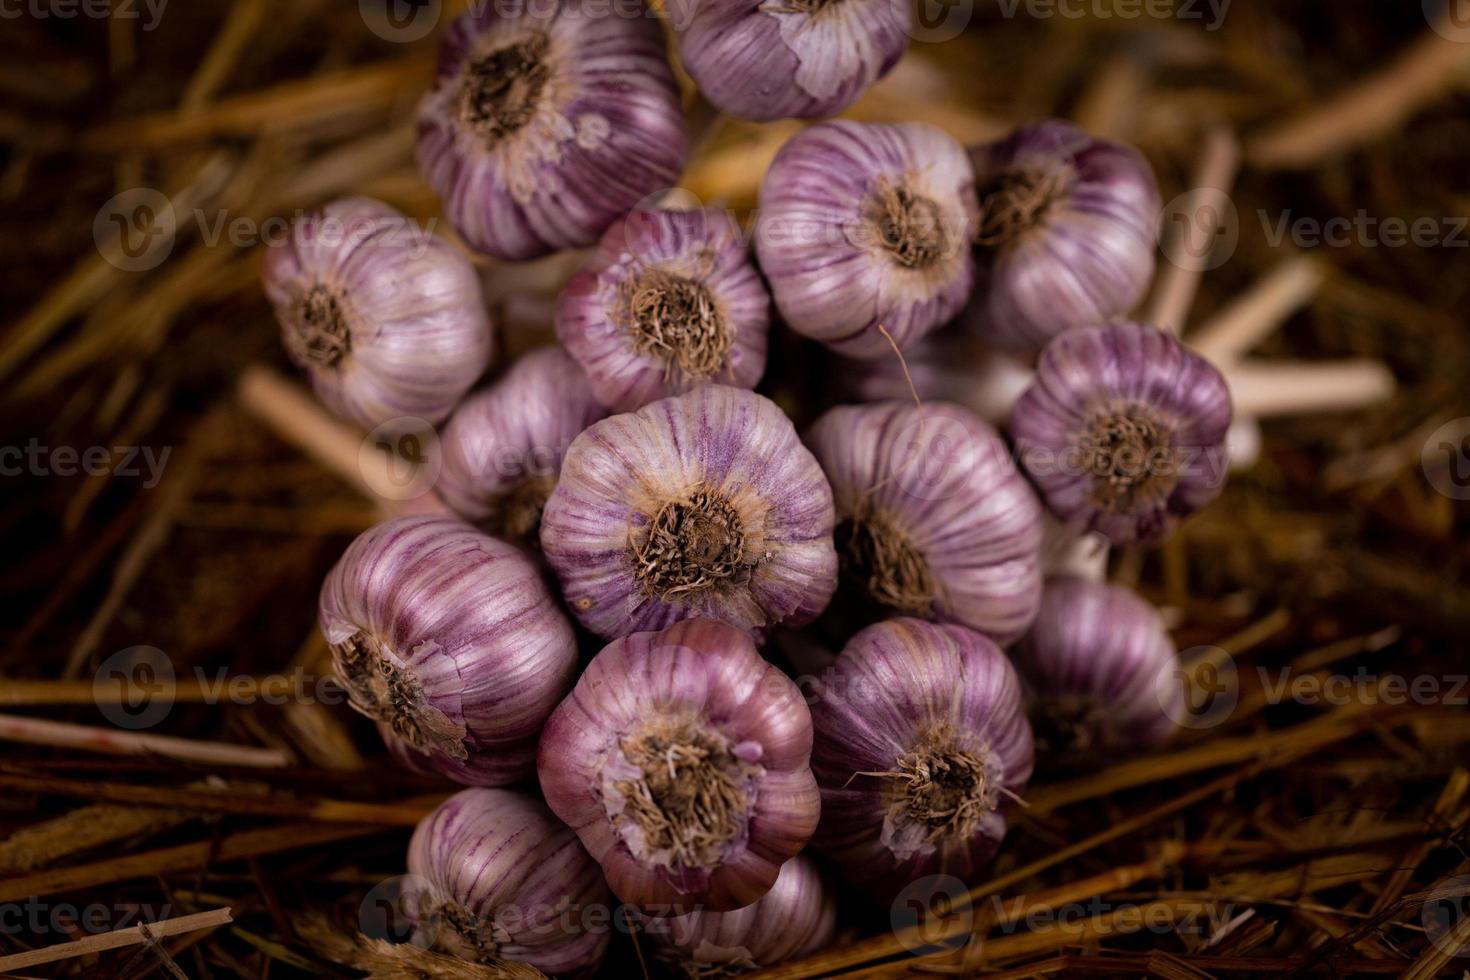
(669, 300)
(865, 228)
(795, 918)
(548, 121)
(493, 876)
(681, 759)
(788, 58)
(920, 740)
(703, 505)
(1101, 668)
(933, 518)
(385, 318)
(1068, 229)
(1123, 431)
(448, 639)
(502, 448)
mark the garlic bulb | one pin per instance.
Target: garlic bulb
(502, 449)
(681, 760)
(795, 918)
(702, 505)
(1123, 431)
(1101, 666)
(1068, 231)
(771, 59)
(920, 739)
(386, 319)
(493, 876)
(448, 639)
(669, 300)
(865, 226)
(933, 519)
(548, 121)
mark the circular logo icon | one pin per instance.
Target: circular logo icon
(929, 911)
(1449, 18)
(1444, 916)
(934, 456)
(1200, 689)
(1446, 459)
(1199, 229)
(400, 21)
(400, 459)
(134, 688)
(937, 21)
(135, 230)
(384, 911)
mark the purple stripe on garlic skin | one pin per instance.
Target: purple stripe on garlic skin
(702, 505)
(797, 917)
(547, 122)
(1067, 235)
(1123, 431)
(933, 518)
(920, 740)
(1100, 665)
(681, 761)
(502, 448)
(669, 300)
(775, 59)
(865, 225)
(386, 319)
(493, 876)
(450, 641)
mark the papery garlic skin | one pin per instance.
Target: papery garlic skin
(1123, 431)
(449, 640)
(681, 760)
(866, 225)
(920, 740)
(493, 876)
(1067, 235)
(669, 300)
(797, 917)
(502, 448)
(1101, 666)
(774, 59)
(547, 121)
(387, 319)
(703, 505)
(933, 518)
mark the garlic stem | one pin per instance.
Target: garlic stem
(39, 731)
(1179, 281)
(1263, 389)
(1374, 106)
(1258, 312)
